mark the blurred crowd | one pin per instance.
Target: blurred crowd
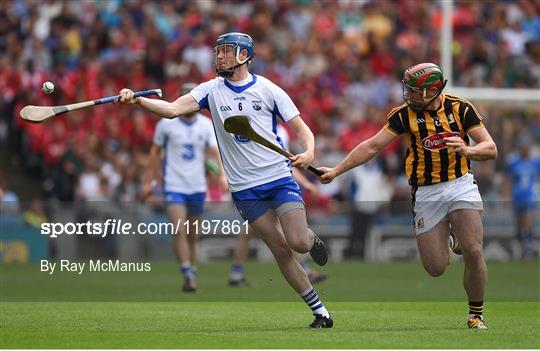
(340, 61)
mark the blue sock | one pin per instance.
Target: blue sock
(528, 242)
(237, 268)
(187, 271)
(237, 271)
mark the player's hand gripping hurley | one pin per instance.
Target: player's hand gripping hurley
(38, 114)
(240, 125)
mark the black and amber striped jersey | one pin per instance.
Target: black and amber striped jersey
(428, 160)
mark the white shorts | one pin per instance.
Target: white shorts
(433, 203)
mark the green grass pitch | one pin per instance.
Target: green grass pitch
(393, 305)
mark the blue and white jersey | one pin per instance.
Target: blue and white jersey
(184, 144)
(246, 163)
(284, 136)
(524, 174)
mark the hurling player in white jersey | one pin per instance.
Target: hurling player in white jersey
(260, 180)
(186, 143)
(236, 274)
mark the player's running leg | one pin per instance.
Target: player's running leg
(434, 250)
(299, 236)
(236, 275)
(268, 228)
(470, 232)
(177, 214)
(192, 239)
(240, 253)
(525, 232)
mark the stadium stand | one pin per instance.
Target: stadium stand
(341, 62)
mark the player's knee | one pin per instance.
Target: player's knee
(302, 248)
(472, 254)
(299, 245)
(179, 236)
(435, 270)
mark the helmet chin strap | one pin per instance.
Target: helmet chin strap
(228, 73)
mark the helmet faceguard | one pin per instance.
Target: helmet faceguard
(235, 43)
(420, 79)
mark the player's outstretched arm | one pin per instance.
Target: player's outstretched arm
(362, 153)
(185, 104)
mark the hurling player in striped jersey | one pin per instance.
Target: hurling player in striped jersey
(446, 201)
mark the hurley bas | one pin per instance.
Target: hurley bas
(94, 266)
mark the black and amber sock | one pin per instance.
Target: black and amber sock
(476, 308)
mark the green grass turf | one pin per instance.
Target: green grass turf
(374, 306)
(350, 281)
(262, 325)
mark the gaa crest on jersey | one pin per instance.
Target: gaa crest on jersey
(257, 105)
(241, 139)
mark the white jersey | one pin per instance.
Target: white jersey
(284, 136)
(184, 144)
(246, 163)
